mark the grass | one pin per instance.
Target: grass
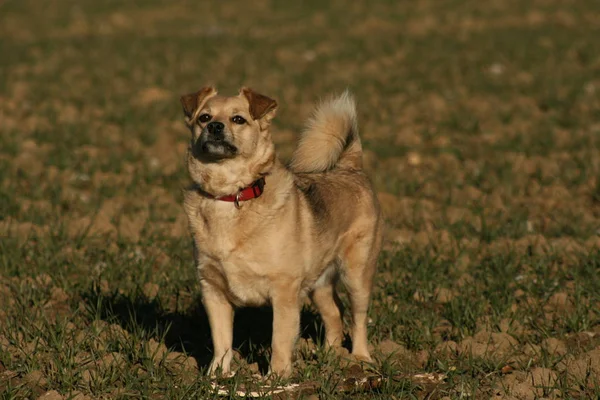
(479, 123)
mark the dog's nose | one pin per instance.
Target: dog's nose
(216, 129)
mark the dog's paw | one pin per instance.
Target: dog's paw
(219, 370)
(282, 370)
(362, 357)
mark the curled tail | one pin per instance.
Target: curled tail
(330, 139)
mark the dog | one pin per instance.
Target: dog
(267, 233)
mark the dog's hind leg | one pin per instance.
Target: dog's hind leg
(327, 301)
(359, 263)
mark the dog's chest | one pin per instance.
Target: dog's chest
(240, 283)
(239, 279)
(224, 260)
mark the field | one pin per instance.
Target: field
(481, 128)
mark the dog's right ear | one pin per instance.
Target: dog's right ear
(194, 101)
(261, 106)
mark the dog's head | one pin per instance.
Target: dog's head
(230, 141)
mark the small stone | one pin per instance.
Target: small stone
(388, 347)
(156, 350)
(112, 360)
(443, 295)
(413, 159)
(543, 378)
(510, 326)
(58, 295)
(151, 290)
(354, 370)
(560, 301)
(117, 331)
(307, 345)
(51, 395)
(507, 369)
(449, 347)
(419, 296)
(471, 347)
(77, 395)
(89, 375)
(554, 347)
(182, 362)
(496, 69)
(44, 280)
(37, 378)
(253, 368)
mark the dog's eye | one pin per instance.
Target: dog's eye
(204, 118)
(238, 120)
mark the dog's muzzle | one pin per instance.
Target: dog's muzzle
(213, 144)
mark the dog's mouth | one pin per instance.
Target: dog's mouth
(210, 150)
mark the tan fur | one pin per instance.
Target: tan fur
(331, 134)
(312, 226)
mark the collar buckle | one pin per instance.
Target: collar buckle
(236, 201)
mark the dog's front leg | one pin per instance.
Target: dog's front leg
(286, 325)
(220, 317)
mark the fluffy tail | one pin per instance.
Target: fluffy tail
(330, 139)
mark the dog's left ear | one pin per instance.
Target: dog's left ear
(262, 108)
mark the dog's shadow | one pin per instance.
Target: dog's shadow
(189, 331)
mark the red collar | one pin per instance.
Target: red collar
(251, 192)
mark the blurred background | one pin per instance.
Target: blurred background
(500, 98)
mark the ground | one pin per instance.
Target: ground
(480, 123)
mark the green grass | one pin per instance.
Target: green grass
(480, 122)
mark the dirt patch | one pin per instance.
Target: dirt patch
(51, 395)
(539, 382)
(99, 225)
(554, 346)
(21, 230)
(583, 370)
(489, 344)
(131, 225)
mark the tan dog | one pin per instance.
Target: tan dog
(267, 234)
